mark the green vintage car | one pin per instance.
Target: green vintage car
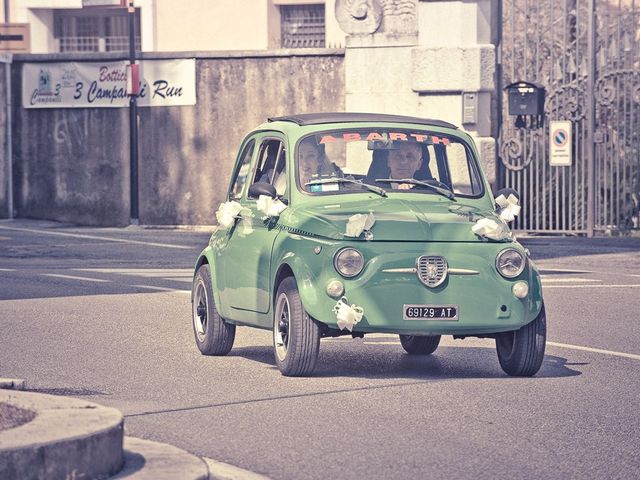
(349, 224)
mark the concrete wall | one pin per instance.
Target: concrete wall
(73, 164)
(70, 165)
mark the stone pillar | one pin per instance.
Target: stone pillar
(420, 58)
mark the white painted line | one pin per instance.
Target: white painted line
(94, 237)
(591, 286)
(632, 356)
(7, 270)
(142, 272)
(553, 279)
(73, 277)
(224, 471)
(568, 270)
(595, 350)
(162, 289)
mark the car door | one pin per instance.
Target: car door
(247, 255)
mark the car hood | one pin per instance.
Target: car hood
(395, 220)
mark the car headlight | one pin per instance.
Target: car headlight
(510, 263)
(348, 262)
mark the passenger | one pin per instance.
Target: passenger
(313, 162)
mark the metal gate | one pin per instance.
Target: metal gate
(586, 54)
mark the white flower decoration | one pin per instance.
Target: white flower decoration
(359, 223)
(486, 227)
(270, 207)
(227, 213)
(509, 207)
(347, 315)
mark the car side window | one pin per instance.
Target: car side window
(272, 165)
(280, 173)
(243, 171)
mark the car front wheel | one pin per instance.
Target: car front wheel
(296, 336)
(420, 345)
(213, 335)
(521, 352)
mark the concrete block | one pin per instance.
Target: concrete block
(446, 107)
(445, 69)
(378, 70)
(467, 22)
(487, 152)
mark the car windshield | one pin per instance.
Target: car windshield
(400, 160)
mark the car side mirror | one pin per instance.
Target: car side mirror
(262, 188)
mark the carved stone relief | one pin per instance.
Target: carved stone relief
(365, 17)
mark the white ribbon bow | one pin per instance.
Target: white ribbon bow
(227, 213)
(359, 223)
(509, 207)
(486, 227)
(270, 207)
(347, 315)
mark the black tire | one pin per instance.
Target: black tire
(213, 335)
(521, 352)
(296, 336)
(420, 345)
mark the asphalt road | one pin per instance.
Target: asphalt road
(104, 314)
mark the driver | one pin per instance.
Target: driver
(406, 161)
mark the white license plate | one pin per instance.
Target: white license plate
(430, 312)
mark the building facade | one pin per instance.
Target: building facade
(66, 26)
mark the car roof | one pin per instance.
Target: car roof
(350, 117)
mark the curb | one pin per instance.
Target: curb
(13, 383)
(147, 460)
(224, 471)
(68, 438)
(72, 439)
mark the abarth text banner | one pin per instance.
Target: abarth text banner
(104, 84)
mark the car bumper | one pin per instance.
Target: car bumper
(485, 300)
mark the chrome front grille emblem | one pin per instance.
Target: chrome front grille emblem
(431, 270)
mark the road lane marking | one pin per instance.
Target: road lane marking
(73, 277)
(143, 272)
(95, 237)
(632, 356)
(568, 270)
(595, 350)
(161, 289)
(7, 270)
(631, 285)
(546, 279)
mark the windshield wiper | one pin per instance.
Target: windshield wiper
(441, 190)
(372, 188)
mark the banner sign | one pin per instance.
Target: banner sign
(163, 83)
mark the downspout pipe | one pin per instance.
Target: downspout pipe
(7, 59)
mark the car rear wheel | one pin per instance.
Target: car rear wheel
(213, 335)
(420, 345)
(521, 352)
(296, 336)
